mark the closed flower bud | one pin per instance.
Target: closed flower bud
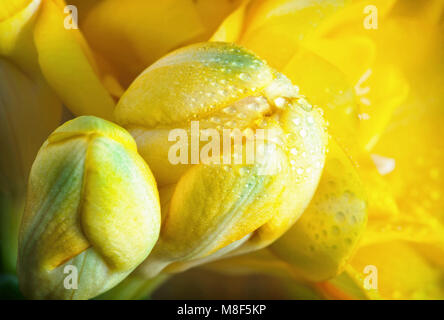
(221, 207)
(92, 207)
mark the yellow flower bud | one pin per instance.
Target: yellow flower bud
(218, 208)
(92, 205)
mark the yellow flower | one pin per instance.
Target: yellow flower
(223, 207)
(278, 30)
(357, 213)
(92, 204)
(128, 36)
(401, 178)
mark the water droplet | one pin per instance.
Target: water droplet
(215, 120)
(280, 102)
(354, 219)
(336, 230)
(229, 110)
(231, 124)
(340, 216)
(244, 77)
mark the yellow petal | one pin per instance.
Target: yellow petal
(380, 94)
(320, 243)
(231, 28)
(381, 201)
(402, 272)
(296, 18)
(131, 35)
(353, 55)
(167, 93)
(215, 206)
(213, 13)
(126, 239)
(68, 65)
(16, 22)
(354, 15)
(327, 87)
(273, 29)
(349, 285)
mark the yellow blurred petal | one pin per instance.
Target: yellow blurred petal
(10, 8)
(430, 11)
(352, 55)
(379, 95)
(273, 29)
(402, 272)
(131, 35)
(16, 22)
(272, 44)
(353, 16)
(68, 65)
(324, 238)
(422, 232)
(349, 285)
(381, 201)
(231, 28)
(417, 179)
(300, 18)
(327, 87)
(212, 13)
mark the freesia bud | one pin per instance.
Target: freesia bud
(215, 209)
(92, 207)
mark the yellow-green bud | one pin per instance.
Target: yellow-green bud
(219, 207)
(92, 212)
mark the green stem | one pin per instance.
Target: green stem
(11, 209)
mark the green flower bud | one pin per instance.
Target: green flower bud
(92, 212)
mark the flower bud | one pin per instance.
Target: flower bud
(216, 208)
(92, 207)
